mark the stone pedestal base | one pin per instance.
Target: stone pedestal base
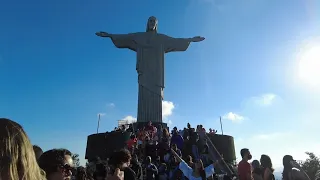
(225, 146)
(102, 145)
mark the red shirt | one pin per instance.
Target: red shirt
(244, 169)
(131, 142)
(150, 130)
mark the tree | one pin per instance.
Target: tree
(76, 160)
(311, 165)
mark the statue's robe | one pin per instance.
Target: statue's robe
(150, 48)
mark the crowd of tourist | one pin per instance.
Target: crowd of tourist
(154, 153)
(151, 153)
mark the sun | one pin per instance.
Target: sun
(309, 66)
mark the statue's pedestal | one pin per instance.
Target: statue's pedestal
(225, 146)
(104, 144)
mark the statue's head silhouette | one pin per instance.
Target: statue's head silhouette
(152, 24)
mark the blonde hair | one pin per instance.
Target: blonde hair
(17, 158)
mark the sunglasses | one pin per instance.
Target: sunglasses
(66, 168)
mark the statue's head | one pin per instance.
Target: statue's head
(152, 24)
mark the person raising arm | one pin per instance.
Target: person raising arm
(198, 173)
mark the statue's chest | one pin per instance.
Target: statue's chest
(150, 41)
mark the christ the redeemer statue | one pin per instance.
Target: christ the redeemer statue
(150, 47)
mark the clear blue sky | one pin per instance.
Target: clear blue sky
(56, 75)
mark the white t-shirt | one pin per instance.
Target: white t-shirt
(187, 171)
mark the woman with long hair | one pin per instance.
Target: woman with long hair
(166, 134)
(196, 173)
(17, 158)
(256, 170)
(267, 170)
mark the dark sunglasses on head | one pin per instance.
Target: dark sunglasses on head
(66, 167)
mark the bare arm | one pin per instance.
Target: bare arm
(266, 175)
(249, 174)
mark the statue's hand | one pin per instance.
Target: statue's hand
(102, 34)
(197, 39)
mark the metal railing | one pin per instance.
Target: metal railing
(222, 163)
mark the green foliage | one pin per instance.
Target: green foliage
(311, 165)
(76, 160)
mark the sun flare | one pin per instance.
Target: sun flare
(309, 66)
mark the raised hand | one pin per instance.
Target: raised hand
(102, 34)
(197, 39)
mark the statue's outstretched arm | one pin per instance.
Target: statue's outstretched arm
(121, 40)
(196, 39)
(179, 44)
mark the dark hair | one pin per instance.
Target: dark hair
(120, 157)
(266, 162)
(81, 173)
(202, 172)
(175, 132)
(194, 137)
(255, 164)
(36, 148)
(51, 160)
(286, 160)
(287, 167)
(244, 152)
(101, 170)
(37, 151)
